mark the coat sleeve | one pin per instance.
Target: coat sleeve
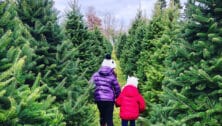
(116, 87)
(118, 101)
(142, 104)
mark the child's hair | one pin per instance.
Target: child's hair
(132, 80)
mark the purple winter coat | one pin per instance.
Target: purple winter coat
(106, 85)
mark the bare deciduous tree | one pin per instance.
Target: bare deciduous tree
(109, 23)
(93, 20)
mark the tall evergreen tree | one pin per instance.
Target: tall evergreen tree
(91, 45)
(41, 20)
(151, 68)
(193, 81)
(121, 39)
(19, 103)
(15, 33)
(132, 46)
(84, 51)
(156, 28)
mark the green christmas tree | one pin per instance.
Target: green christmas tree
(84, 51)
(192, 84)
(162, 29)
(91, 44)
(132, 45)
(121, 39)
(19, 103)
(41, 20)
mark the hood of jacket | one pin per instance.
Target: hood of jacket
(130, 91)
(105, 71)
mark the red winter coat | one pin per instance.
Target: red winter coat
(131, 103)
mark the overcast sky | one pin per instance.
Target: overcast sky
(123, 10)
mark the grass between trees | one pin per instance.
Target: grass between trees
(122, 80)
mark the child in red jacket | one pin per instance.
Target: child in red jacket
(131, 102)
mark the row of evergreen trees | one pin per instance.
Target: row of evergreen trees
(178, 61)
(44, 67)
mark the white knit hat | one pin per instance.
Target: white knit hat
(109, 63)
(132, 80)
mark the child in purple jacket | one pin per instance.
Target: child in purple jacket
(107, 89)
